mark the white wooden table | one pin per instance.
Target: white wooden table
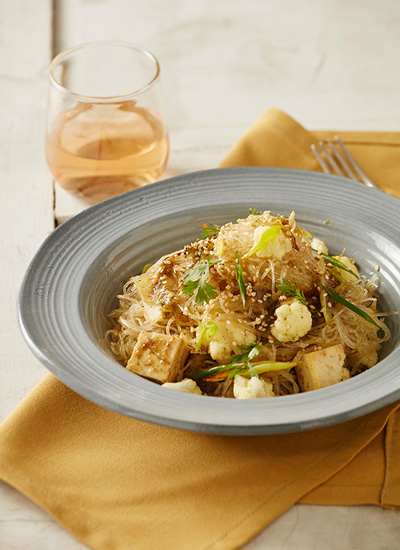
(328, 64)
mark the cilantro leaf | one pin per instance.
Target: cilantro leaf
(195, 281)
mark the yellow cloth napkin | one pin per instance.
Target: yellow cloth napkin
(275, 139)
(119, 484)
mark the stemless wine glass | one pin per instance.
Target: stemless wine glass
(105, 128)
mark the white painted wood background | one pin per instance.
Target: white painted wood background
(328, 63)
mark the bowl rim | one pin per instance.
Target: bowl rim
(179, 410)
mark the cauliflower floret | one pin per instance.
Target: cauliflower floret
(239, 334)
(293, 320)
(186, 385)
(251, 388)
(276, 249)
(319, 246)
(226, 338)
(350, 264)
(220, 349)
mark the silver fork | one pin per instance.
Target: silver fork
(339, 161)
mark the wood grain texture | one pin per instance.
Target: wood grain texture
(27, 215)
(328, 64)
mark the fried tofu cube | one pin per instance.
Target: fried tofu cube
(322, 368)
(158, 356)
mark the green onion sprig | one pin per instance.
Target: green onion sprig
(336, 263)
(351, 306)
(241, 363)
(240, 278)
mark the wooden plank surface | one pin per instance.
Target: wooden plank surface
(27, 215)
(328, 64)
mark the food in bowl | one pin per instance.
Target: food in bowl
(256, 308)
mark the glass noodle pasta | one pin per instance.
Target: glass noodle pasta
(256, 308)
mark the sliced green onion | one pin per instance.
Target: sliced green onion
(212, 371)
(240, 279)
(146, 267)
(351, 306)
(336, 263)
(326, 311)
(262, 367)
(253, 369)
(267, 237)
(339, 277)
(222, 372)
(206, 330)
(219, 247)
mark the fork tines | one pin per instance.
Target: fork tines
(336, 159)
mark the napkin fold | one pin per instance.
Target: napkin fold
(276, 139)
(118, 483)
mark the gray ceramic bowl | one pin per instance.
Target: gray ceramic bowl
(81, 267)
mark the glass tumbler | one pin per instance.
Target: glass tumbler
(105, 128)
